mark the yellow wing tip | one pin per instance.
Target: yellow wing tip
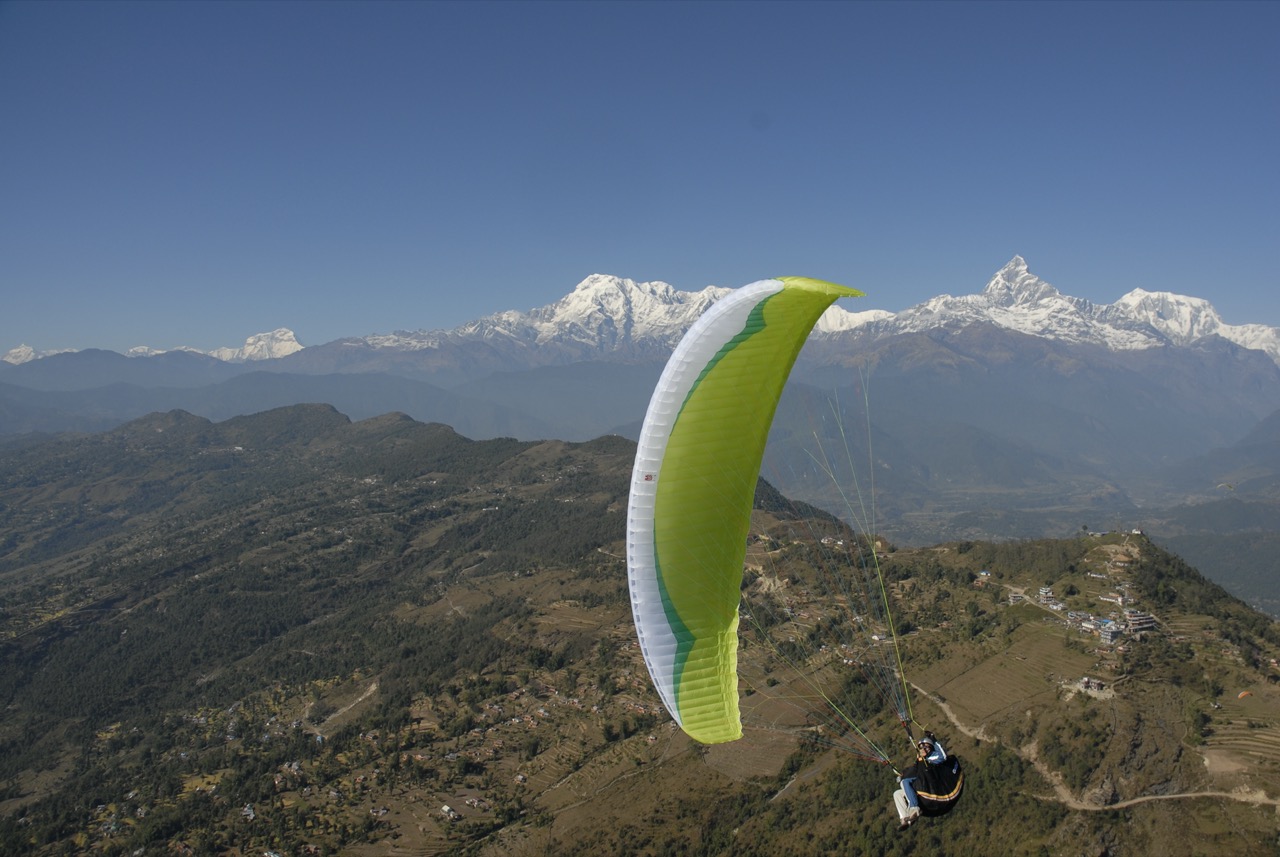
(810, 284)
(721, 735)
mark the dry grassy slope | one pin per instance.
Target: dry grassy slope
(1152, 790)
(1151, 785)
(569, 744)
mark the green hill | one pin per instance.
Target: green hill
(289, 632)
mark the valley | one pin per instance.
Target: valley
(295, 633)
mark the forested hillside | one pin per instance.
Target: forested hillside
(292, 633)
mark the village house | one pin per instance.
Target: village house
(1139, 621)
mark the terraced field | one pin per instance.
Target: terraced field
(1248, 738)
(1033, 665)
(1245, 735)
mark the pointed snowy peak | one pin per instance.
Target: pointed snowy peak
(1014, 285)
(1018, 300)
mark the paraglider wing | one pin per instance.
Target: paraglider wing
(695, 474)
(1242, 694)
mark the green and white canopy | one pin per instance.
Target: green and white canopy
(692, 487)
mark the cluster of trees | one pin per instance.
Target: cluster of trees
(210, 600)
(214, 562)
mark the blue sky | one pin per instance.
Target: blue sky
(192, 173)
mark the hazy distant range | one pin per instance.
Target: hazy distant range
(1015, 411)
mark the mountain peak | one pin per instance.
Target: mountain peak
(1017, 299)
(626, 319)
(1014, 285)
(280, 342)
(22, 354)
(617, 313)
(608, 282)
(1183, 319)
(1017, 265)
(25, 354)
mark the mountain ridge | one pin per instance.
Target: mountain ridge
(985, 427)
(1018, 300)
(626, 319)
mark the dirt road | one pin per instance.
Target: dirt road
(1063, 795)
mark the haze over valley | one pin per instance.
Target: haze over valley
(1010, 411)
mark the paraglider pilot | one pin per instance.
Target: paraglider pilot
(928, 752)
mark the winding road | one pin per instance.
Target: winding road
(1064, 795)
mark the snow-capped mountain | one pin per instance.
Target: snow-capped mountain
(614, 318)
(25, 354)
(606, 312)
(1013, 412)
(280, 342)
(1185, 320)
(602, 313)
(610, 317)
(1018, 300)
